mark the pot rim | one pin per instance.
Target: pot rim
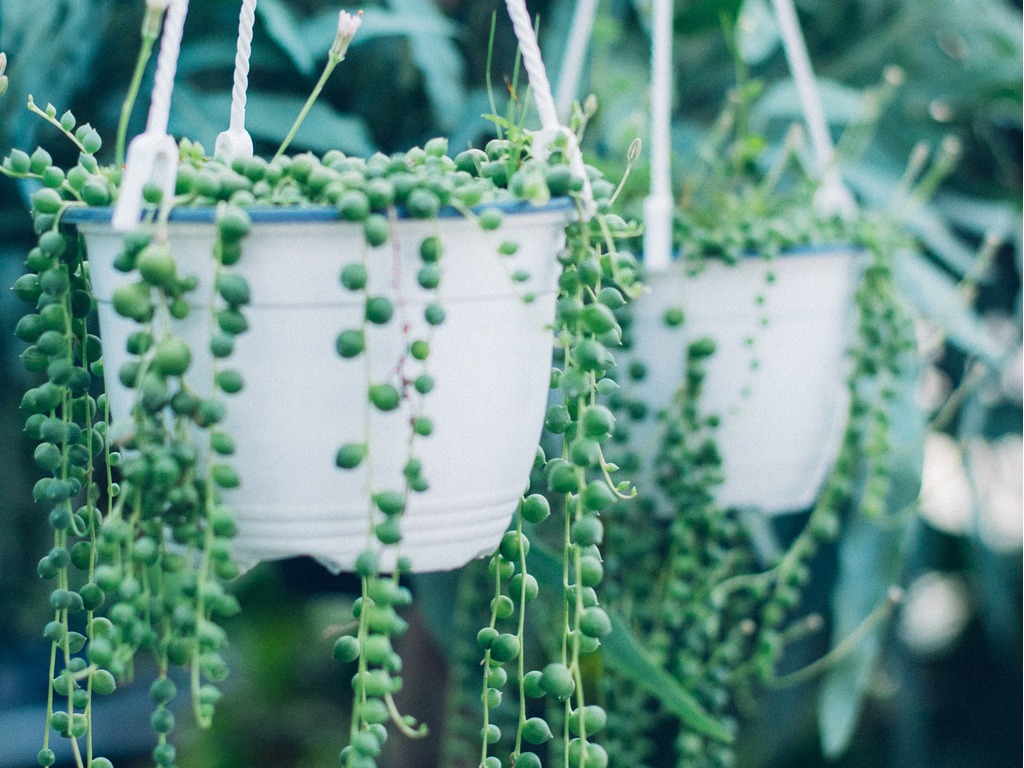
(804, 249)
(268, 214)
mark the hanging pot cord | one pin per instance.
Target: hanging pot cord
(551, 128)
(832, 197)
(235, 141)
(153, 155)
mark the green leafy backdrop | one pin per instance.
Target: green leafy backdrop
(417, 69)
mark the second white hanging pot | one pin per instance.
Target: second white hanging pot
(777, 378)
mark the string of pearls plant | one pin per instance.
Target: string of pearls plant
(686, 573)
(142, 551)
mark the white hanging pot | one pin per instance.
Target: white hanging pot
(781, 422)
(490, 360)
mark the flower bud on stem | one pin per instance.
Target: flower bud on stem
(348, 25)
(151, 24)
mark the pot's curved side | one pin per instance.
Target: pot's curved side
(490, 359)
(781, 423)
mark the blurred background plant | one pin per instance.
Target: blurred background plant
(940, 686)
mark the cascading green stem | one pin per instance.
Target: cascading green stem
(520, 633)
(359, 695)
(333, 60)
(348, 25)
(150, 33)
(91, 529)
(487, 665)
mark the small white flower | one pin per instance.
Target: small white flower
(348, 25)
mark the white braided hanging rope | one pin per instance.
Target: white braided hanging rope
(832, 196)
(246, 21)
(166, 67)
(551, 128)
(236, 142)
(153, 155)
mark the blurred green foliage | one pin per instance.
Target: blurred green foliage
(417, 69)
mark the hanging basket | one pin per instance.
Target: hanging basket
(781, 421)
(490, 360)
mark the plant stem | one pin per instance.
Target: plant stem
(332, 62)
(845, 647)
(133, 92)
(485, 744)
(520, 634)
(56, 123)
(490, 88)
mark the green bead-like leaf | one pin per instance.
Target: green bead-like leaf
(385, 397)
(350, 455)
(535, 730)
(346, 649)
(350, 343)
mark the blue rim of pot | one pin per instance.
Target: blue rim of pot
(804, 249)
(807, 249)
(267, 214)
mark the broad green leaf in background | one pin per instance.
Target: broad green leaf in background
(284, 30)
(843, 105)
(871, 556)
(986, 36)
(438, 59)
(205, 55)
(472, 124)
(51, 48)
(218, 55)
(942, 43)
(622, 652)
(875, 185)
(200, 117)
(435, 600)
(979, 216)
(268, 117)
(318, 31)
(432, 39)
(693, 17)
(868, 565)
(625, 654)
(934, 294)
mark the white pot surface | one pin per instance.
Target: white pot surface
(781, 424)
(490, 359)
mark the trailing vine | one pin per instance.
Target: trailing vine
(158, 555)
(696, 588)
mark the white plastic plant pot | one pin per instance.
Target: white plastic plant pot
(781, 423)
(490, 359)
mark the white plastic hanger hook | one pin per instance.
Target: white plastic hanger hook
(832, 196)
(235, 141)
(153, 155)
(551, 128)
